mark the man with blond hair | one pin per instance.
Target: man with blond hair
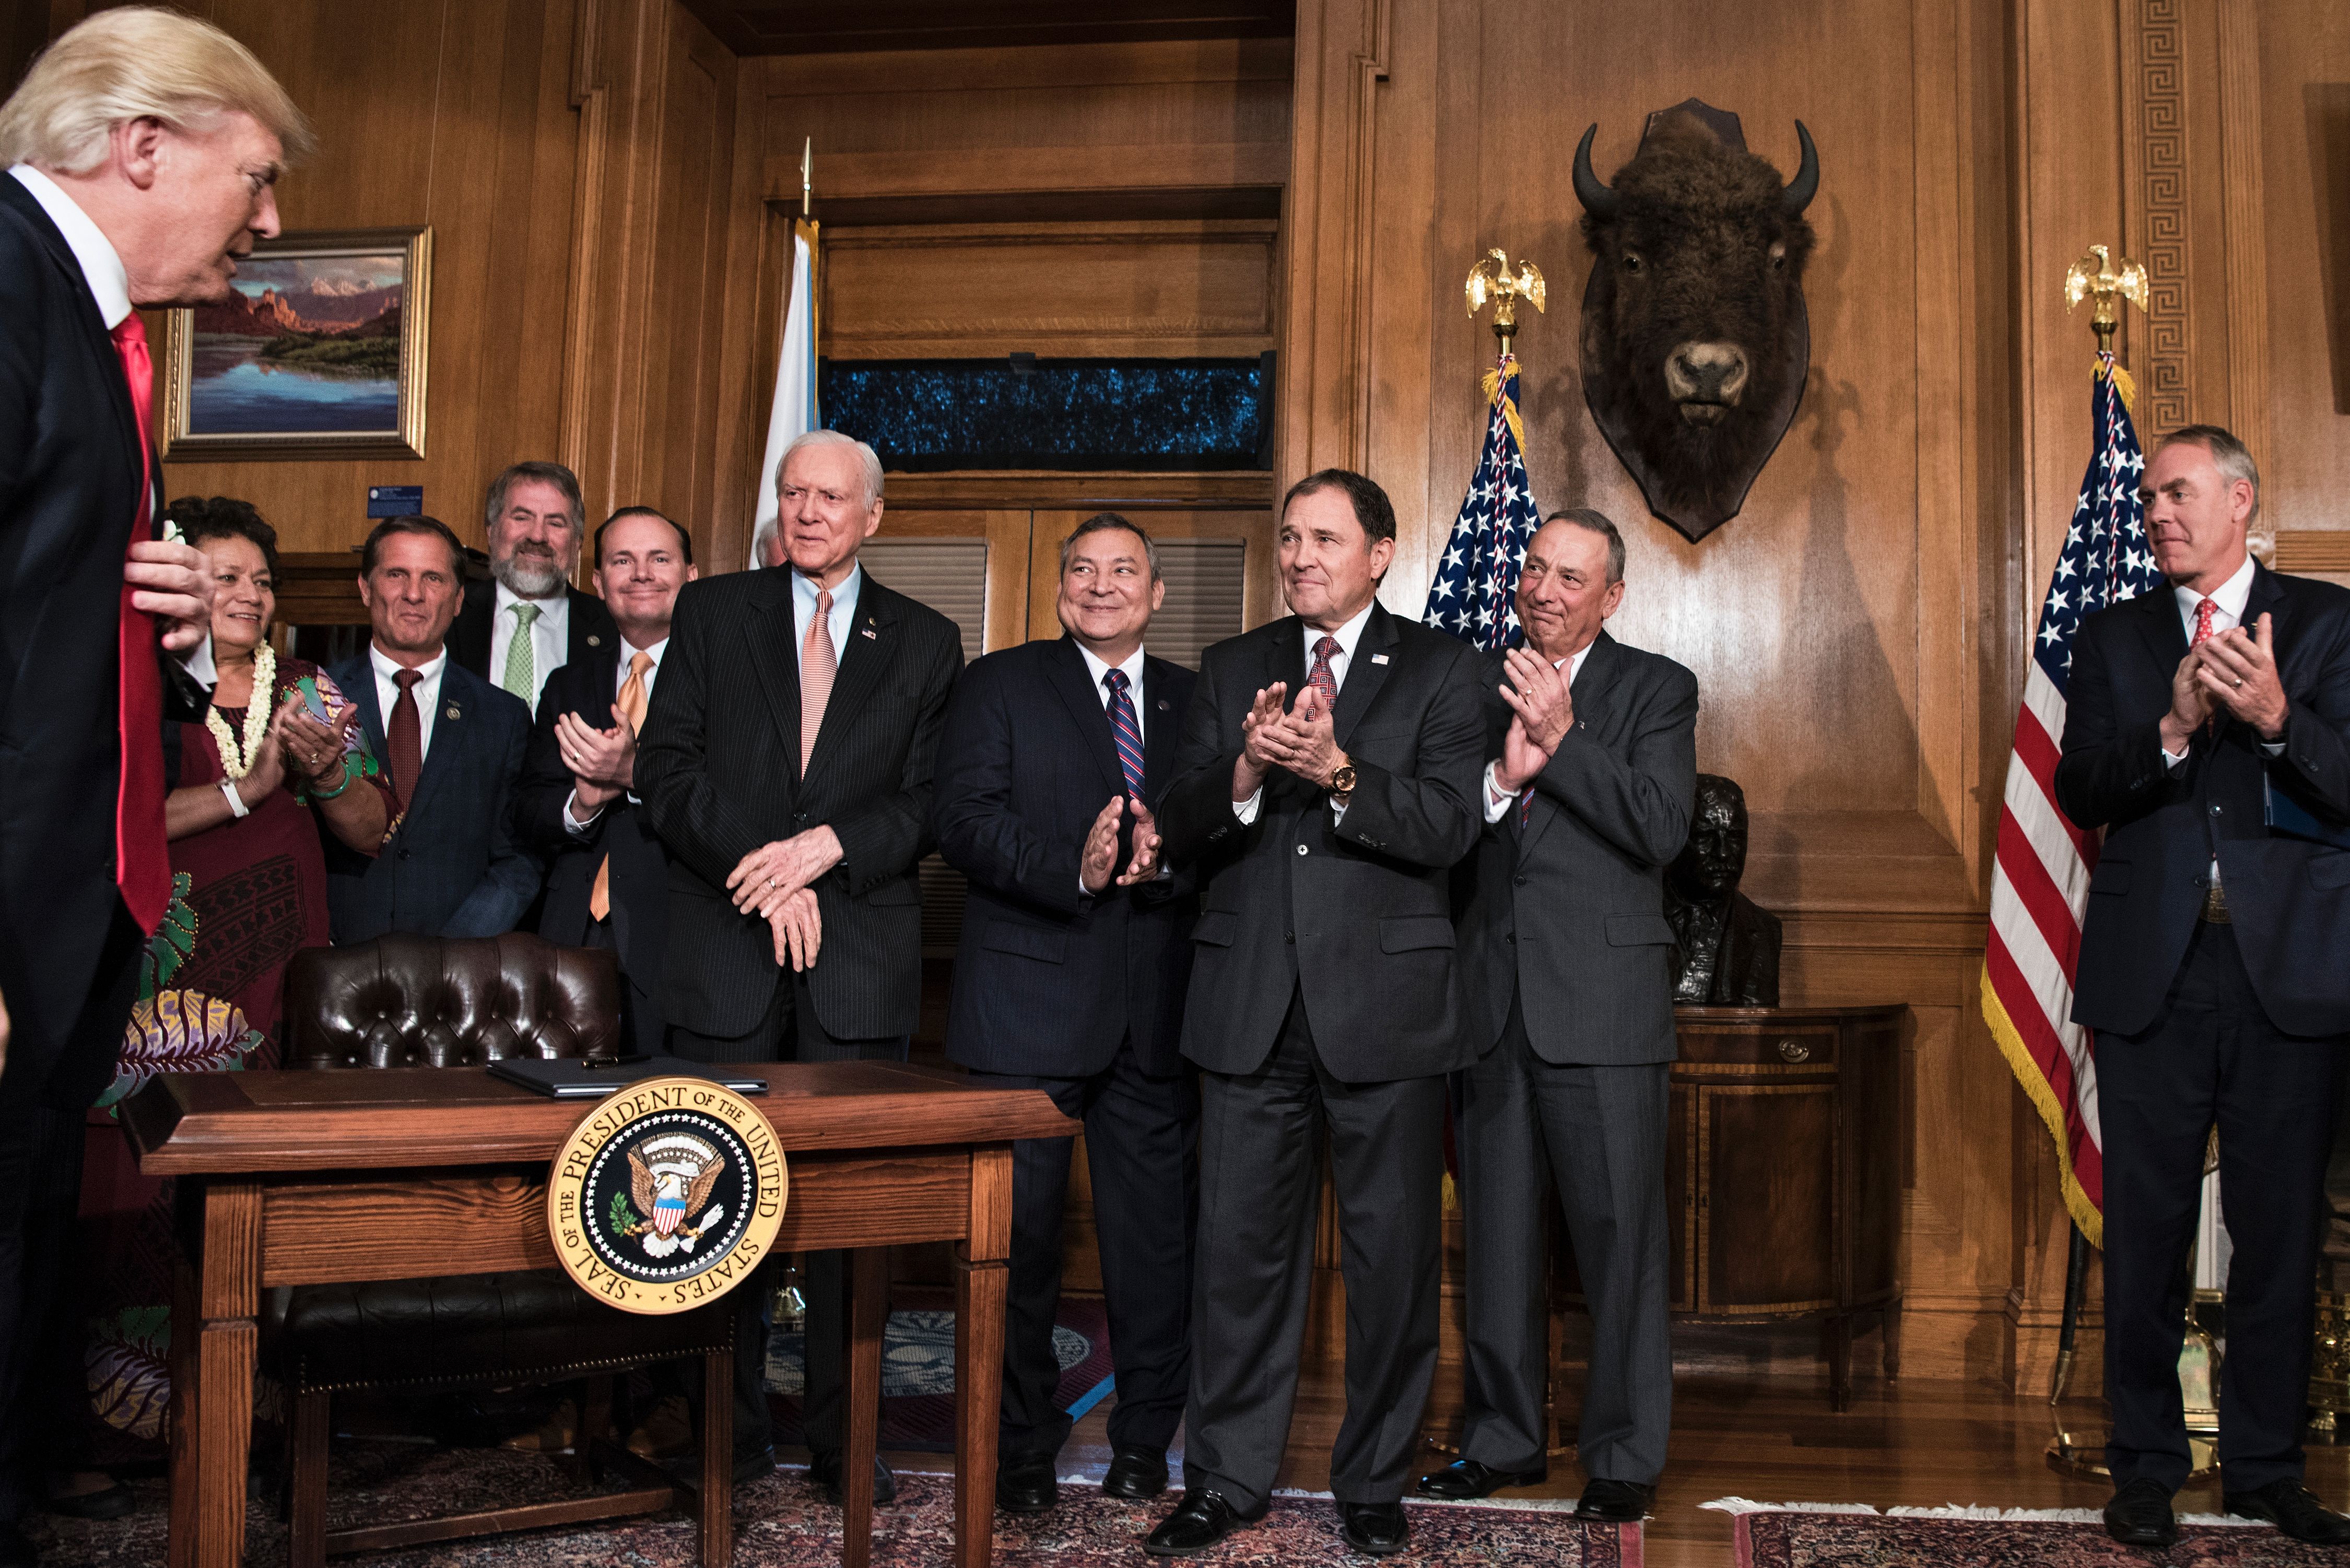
(141, 151)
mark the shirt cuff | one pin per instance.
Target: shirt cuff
(1246, 809)
(572, 824)
(2273, 747)
(198, 662)
(2170, 759)
(1497, 805)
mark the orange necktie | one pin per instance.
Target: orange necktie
(819, 665)
(143, 861)
(631, 704)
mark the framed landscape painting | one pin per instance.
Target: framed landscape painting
(318, 352)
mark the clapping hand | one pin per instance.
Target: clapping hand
(603, 762)
(313, 749)
(1257, 728)
(799, 930)
(2190, 704)
(2237, 669)
(1537, 692)
(1099, 858)
(1306, 742)
(1145, 864)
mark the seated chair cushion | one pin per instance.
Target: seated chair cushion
(407, 1001)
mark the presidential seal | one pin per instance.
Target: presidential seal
(667, 1196)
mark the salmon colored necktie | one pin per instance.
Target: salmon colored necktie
(819, 665)
(631, 704)
(143, 862)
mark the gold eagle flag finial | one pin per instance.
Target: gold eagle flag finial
(1490, 279)
(2102, 281)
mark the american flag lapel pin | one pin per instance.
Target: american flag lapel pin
(871, 633)
(1379, 658)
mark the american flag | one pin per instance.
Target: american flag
(1476, 594)
(2042, 878)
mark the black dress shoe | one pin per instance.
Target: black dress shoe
(1374, 1529)
(1136, 1475)
(1204, 1517)
(823, 1468)
(2294, 1509)
(753, 1465)
(1025, 1484)
(2139, 1515)
(113, 1501)
(1464, 1478)
(1615, 1501)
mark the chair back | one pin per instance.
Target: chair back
(407, 1001)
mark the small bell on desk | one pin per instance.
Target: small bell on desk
(787, 1309)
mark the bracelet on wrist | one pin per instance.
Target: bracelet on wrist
(318, 793)
(238, 809)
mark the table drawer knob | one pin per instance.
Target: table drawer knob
(1795, 1050)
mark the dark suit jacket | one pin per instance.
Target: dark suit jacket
(718, 768)
(1049, 981)
(2290, 897)
(1356, 912)
(70, 471)
(640, 879)
(589, 631)
(1569, 909)
(453, 866)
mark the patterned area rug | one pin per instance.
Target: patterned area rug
(1848, 1535)
(782, 1523)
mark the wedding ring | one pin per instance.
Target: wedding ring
(2239, 680)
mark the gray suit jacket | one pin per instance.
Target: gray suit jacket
(453, 866)
(1569, 909)
(1353, 910)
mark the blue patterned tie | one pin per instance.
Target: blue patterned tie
(1126, 731)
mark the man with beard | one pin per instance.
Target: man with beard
(529, 621)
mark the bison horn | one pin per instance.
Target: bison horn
(1800, 190)
(1598, 199)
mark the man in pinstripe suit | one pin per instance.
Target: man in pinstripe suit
(786, 763)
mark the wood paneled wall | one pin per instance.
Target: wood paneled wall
(1858, 630)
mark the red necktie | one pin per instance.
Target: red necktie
(143, 861)
(2203, 609)
(405, 739)
(1321, 678)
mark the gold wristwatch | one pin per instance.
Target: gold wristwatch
(1342, 780)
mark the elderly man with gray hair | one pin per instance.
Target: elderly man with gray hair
(786, 763)
(141, 149)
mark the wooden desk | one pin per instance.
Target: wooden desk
(309, 1178)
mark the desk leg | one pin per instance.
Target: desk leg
(868, 1296)
(982, 1282)
(214, 1341)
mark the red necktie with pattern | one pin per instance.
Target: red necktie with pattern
(142, 860)
(405, 737)
(2204, 607)
(1320, 678)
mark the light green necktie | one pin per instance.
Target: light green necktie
(521, 670)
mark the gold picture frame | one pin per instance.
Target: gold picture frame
(320, 353)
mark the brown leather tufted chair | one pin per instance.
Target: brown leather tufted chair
(420, 1002)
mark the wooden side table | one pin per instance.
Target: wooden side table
(1783, 1175)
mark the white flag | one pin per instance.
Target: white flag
(794, 412)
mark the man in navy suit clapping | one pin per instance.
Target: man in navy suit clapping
(1070, 979)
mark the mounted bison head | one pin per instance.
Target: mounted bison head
(1695, 341)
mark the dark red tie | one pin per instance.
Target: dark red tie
(1321, 677)
(143, 861)
(406, 738)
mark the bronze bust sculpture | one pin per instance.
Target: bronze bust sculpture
(1729, 943)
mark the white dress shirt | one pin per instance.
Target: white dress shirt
(427, 691)
(550, 637)
(657, 651)
(110, 284)
(1497, 805)
(844, 610)
(1340, 662)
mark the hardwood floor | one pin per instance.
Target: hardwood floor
(1773, 1439)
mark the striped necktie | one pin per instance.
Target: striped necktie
(1126, 729)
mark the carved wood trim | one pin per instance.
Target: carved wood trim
(2154, 178)
(2313, 550)
(2247, 235)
